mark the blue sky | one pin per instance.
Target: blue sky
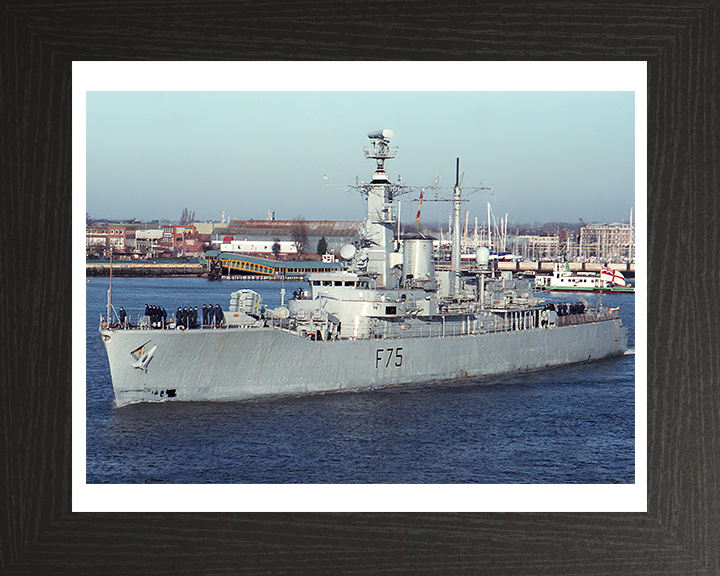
(549, 156)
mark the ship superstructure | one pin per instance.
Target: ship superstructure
(389, 318)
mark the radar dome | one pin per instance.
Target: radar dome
(347, 252)
(482, 256)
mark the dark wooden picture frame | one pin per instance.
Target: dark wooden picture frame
(39, 534)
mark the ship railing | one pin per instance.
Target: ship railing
(590, 316)
(430, 331)
(435, 331)
(501, 324)
(139, 322)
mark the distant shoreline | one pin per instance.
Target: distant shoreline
(166, 270)
(101, 269)
(199, 269)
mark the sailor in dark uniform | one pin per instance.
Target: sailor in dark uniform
(178, 317)
(122, 315)
(204, 311)
(218, 315)
(185, 317)
(193, 317)
(147, 310)
(163, 316)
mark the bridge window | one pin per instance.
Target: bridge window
(316, 283)
(349, 283)
(338, 283)
(327, 283)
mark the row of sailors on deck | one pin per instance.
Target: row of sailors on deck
(565, 309)
(185, 317)
(188, 317)
(157, 315)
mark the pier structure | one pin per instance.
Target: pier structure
(239, 266)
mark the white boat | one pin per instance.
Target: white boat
(563, 280)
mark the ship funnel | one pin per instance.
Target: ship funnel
(418, 263)
(382, 134)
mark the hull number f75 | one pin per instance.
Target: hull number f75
(385, 357)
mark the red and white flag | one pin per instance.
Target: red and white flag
(612, 276)
(419, 207)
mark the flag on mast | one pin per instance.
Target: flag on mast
(419, 207)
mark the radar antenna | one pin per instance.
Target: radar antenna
(380, 149)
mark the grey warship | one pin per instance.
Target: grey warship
(388, 318)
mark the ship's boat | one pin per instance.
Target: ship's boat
(564, 280)
(387, 318)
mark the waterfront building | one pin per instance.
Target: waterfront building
(296, 238)
(147, 242)
(100, 238)
(607, 243)
(181, 241)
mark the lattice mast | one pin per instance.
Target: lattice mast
(455, 260)
(380, 221)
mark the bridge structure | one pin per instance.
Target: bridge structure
(241, 265)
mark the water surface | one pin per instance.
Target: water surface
(573, 424)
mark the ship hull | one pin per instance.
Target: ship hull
(235, 364)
